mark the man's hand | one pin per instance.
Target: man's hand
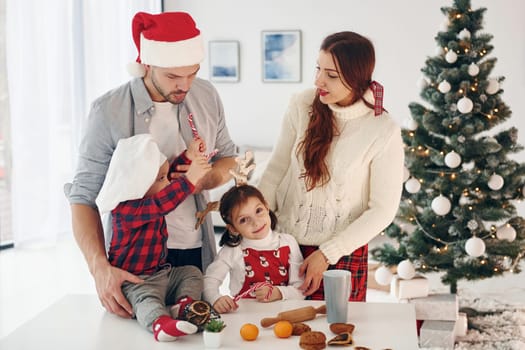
(312, 269)
(108, 280)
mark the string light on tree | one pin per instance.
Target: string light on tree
(452, 159)
(469, 183)
(475, 246)
(496, 182)
(441, 205)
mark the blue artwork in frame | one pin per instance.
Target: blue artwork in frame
(224, 61)
(281, 56)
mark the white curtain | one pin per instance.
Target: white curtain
(61, 55)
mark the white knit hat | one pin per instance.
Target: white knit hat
(132, 170)
(168, 39)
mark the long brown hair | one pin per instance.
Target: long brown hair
(354, 58)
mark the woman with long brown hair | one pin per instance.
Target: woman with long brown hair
(335, 176)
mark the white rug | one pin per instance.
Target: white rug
(493, 324)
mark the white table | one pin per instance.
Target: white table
(79, 322)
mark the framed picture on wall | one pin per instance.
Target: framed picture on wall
(224, 61)
(281, 56)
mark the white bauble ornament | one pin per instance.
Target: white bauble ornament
(492, 87)
(472, 225)
(439, 51)
(506, 232)
(383, 276)
(444, 87)
(452, 159)
(475, 247)
(411, 124)
(473, 69)
(444, 25)
(406, 173)
(422, 83)
(496, 182)
(465, 105)
(451, 57)
(441, 205)
(464, 200)
(464, 34)
(412, 185)
(468, 166)
(406, 270)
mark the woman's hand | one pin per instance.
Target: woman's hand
(225, 304)
(312, 269)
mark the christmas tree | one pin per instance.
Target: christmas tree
(457, 213)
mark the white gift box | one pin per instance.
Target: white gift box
(416, 287)
(442, 307)
(460, 330)
(439, 334)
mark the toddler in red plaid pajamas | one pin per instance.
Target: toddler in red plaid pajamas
(138, 192)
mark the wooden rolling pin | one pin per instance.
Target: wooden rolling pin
(296, 315)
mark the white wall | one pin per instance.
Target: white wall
(403, 33)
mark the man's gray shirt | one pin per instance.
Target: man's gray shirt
(127, 111)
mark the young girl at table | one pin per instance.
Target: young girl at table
(262, 263)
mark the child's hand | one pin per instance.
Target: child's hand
(262, 293)
(225, 304)
(198, 168)
(195, 149)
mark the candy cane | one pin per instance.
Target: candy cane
(253, 288)
(192, 126)
(212, 154)
(196, 136)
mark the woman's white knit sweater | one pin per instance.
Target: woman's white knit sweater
(366, 168)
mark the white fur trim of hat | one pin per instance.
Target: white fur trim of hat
(133, 168)
(168, 39)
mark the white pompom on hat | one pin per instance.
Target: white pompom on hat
(132, 170)
(168, 39)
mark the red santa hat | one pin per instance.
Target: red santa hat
(133, 168)
(168, 39)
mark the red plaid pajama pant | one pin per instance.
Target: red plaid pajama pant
(356, 263)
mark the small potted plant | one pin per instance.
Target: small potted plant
(212, 334)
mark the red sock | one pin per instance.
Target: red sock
(167, 329)
(177, 310)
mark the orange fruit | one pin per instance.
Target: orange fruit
(283, 329)
(249, 331)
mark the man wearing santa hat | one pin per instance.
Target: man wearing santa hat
(161, 100)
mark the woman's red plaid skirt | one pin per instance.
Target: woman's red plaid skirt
(356, 263)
